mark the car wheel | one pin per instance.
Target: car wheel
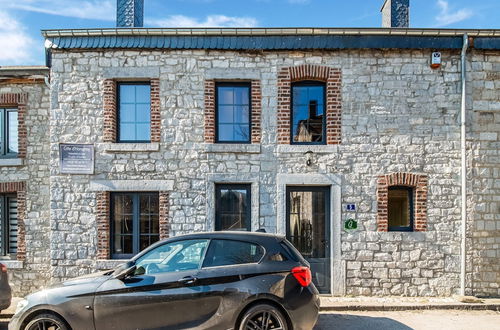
(263, 317)
(47, 322)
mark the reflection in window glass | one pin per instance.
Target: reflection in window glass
(228, 252)
(400, 208)
(135, 222)
(134, 112)
(233, 112)
(232, 207)
(308, 120)
(9, 133)
(13, 144)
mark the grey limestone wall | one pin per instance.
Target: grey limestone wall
(398, 115)
(34, 272)
(484, 179)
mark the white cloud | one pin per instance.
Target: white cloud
(209, 21)
(89, 9)
(447, 17)
(16, 44)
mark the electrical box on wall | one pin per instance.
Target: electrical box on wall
(435, 60)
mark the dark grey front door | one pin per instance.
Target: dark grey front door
(308, 229)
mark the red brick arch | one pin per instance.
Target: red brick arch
(419, 184)
(333, 79)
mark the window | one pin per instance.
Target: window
(400, 208)
(9, 141)
(134, 112)
(8, 224)
(134, 223)
(233, 113)
(227, 252)
(308, 113)
(172, 257)
(232, 210)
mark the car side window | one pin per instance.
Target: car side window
(223, 252)
(172, 257)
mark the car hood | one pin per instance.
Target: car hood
(90, 281)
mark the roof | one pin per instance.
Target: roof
(268, 38)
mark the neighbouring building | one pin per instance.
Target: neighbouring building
(347, 141)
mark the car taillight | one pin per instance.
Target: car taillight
(3, 268)
(303, 275)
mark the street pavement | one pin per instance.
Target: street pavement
(402, 320)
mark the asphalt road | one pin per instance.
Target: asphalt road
(406, 320)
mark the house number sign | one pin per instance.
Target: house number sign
(76, 158)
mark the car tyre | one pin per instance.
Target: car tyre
(263, 316)
(47, 321)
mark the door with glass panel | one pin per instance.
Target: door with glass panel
(308, 229)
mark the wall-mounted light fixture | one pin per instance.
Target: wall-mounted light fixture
(309, 157)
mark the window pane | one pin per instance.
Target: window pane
(226, 114)
(307, 113)
(399, 207)
(173, 257)
(241, 132)
(127, 132)
(225, 95)
(127, 94)
(143, 94)
(241, 95)
(241, 114)
(226, 132)
(13, 132)
(143, 113)
(12, 224)
(227, 252)
(142, 132)
(127, 113)
(233, 208)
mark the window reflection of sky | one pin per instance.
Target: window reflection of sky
(233, 113)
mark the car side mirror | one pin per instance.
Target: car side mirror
(129, 268)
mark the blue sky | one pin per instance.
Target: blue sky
(22, 20)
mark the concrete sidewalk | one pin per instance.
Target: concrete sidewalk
(376, 304)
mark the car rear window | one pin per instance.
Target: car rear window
(223, 252)
(291, 251)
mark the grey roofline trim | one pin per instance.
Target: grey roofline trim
(267, 32)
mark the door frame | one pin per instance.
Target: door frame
(337, 265)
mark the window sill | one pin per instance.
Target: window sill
(11, 162)
(105, 264)
(12, 264)
(232, 148)
(318, 149)
(131, 147)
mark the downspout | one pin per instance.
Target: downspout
(464, 168)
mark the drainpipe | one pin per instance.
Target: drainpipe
(464, 169)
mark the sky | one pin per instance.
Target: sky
(22, 20)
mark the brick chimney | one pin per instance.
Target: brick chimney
(129, 13)
(396, 14)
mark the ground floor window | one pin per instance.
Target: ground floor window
(400, 208)
(232, 207)
(134, 223)
(8, 224)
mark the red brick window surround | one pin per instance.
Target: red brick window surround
(103, 219)
(18, 188)
(110, 108)
(256, 108)
(401, 179)
(19, 101)
(332, 77)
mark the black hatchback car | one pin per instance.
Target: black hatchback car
(5, 292)
(221, 280)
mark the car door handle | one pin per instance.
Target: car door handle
(187, 280)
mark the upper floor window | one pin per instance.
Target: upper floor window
(308, 113)
(233, 113)
(8, 224)
(134, 223)
(400, 208)
(9, 140)
(134, 112)
(233, 205)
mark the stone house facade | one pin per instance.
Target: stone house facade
(379, 128)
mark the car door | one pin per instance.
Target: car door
(161, 293)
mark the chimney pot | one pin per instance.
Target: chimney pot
(396, 14)
(129, 13)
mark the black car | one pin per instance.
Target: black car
(220, 280)
(5, 292)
